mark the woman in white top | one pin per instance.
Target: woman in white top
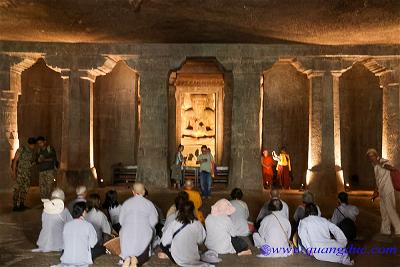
(315, 238)
(100, 223)
(221, 233)
(241, 214)
(50, 237)
(113, 208)
(181, 239)
(79, 238)
(274, 231)
(180, 200)
(308, 198)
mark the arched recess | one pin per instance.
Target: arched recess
(200, 108)
(361, 105)
(39, 111)
(285, 114)
(115, 119)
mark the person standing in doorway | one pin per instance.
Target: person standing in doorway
(267, 164)
(177, 168)
(284, 168)
(205, 160)
(21, 171)
(47, 164)
(384, 189)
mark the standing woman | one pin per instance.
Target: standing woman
(283, 167)
(177, 168)
(267, 164)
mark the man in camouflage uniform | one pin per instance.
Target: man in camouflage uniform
(21, 171)
(47, 165)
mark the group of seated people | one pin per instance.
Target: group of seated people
(81, 230)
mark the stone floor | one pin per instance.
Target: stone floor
(19, 231)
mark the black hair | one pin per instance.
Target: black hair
(78, 209)
(180, 146)
(236, 193)
(111, 200)
(186, 213)
(31, 140)
(343, 197)
(275, 204)
(40, 138)
(93, 201)
(146, 193)
(203, 146)
(181, 199)
(311, 209)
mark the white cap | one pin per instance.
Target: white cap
(58, 193)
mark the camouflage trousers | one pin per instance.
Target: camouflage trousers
(46, 183)
(21, 188)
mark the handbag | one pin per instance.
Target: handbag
(176, 232)
(348, 227)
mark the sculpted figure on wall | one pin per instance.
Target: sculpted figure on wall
(198, 116)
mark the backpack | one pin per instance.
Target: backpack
(348, 227)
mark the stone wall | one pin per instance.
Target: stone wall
(115, 118)
(361, 123)
(285, 116)
(80, 64)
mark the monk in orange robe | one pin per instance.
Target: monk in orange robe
(284, 168)
(195, 197)
(267, 164)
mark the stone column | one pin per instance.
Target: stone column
(153, 167)
(391, 123)
(10, 81)
(75, 154)
(245, 169)
(321, 176)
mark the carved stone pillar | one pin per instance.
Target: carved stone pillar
(321, 176)
(153, 167)
(76, 164)
(245, 169)
(391, 122)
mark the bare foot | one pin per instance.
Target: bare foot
(245, 253)
(162, 255)
(127, 262)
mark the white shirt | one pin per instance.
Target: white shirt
(50, 237)
(220, 229)
(79, 237)
(239, 218)
(314, 232)
(100, 223)
(349, 211)
(275, 231)
(184, 246)
(114, 214)
(138, 217)
(169, 220)
(383, 179)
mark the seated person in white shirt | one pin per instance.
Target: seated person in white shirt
(274, 194)
(241, 214)
(344, 212)
(53, 221)
(308, 198)
(100, 223)
(221, 233)
(180, 200)
(181, 240)
(274, 231)
(113, 208)
(315, 238)
(79, 238)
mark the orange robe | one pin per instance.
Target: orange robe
(267, 171)
(195, 197)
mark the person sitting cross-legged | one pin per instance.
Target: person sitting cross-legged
(221, 234)
(274, 231)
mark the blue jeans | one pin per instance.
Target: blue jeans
(205, 183)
